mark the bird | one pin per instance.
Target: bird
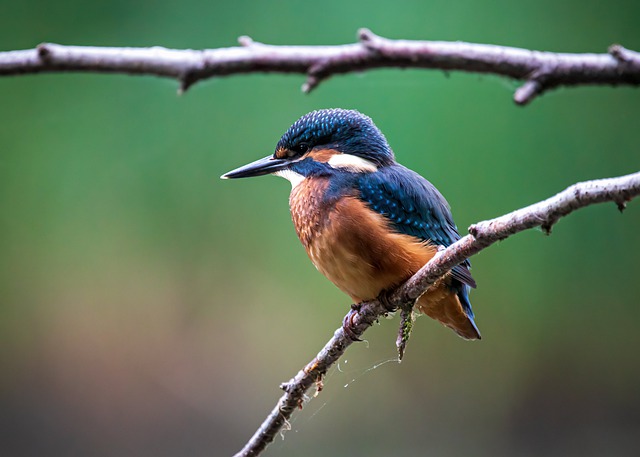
(366, 222)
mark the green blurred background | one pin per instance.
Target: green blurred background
(149, 309)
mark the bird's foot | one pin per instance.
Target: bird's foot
(384, 297)
(348, 325)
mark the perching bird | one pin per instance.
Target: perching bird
(367, 222)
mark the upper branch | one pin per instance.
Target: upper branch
(541, 71)
(483, 234)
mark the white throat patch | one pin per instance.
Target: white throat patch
(291, 176)
(352, 163)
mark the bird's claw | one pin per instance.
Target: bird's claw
(384, 298)
(348, 325)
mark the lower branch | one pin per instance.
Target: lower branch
(483, 234)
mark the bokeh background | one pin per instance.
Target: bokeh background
(148, 308)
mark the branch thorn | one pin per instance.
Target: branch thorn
(187, 79)
(287, 386)
(528, 91)
(315, 75)
(370, 40)
(625, 57)
(365, 35)
(311, 83)
(618, 52)
(44, 52)
(245, 41)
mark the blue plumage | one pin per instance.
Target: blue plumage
(414, 207)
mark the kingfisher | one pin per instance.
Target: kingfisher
(367, 223)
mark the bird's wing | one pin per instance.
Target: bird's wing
(414, 207)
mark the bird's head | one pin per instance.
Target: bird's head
(321, 142)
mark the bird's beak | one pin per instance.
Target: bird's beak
(260, 167)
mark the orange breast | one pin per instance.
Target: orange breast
(356, 249)
(353, 246)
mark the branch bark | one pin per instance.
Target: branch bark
(540, 71)
(544, 214)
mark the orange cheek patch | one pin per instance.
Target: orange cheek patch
(322, 155)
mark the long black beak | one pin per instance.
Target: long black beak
(260, 167)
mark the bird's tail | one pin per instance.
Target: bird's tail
(451, 307)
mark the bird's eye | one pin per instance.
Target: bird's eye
(298, 149)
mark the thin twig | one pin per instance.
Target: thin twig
(540, 71)
(483, 234)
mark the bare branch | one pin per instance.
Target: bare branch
(483, 234)
(541, 71)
